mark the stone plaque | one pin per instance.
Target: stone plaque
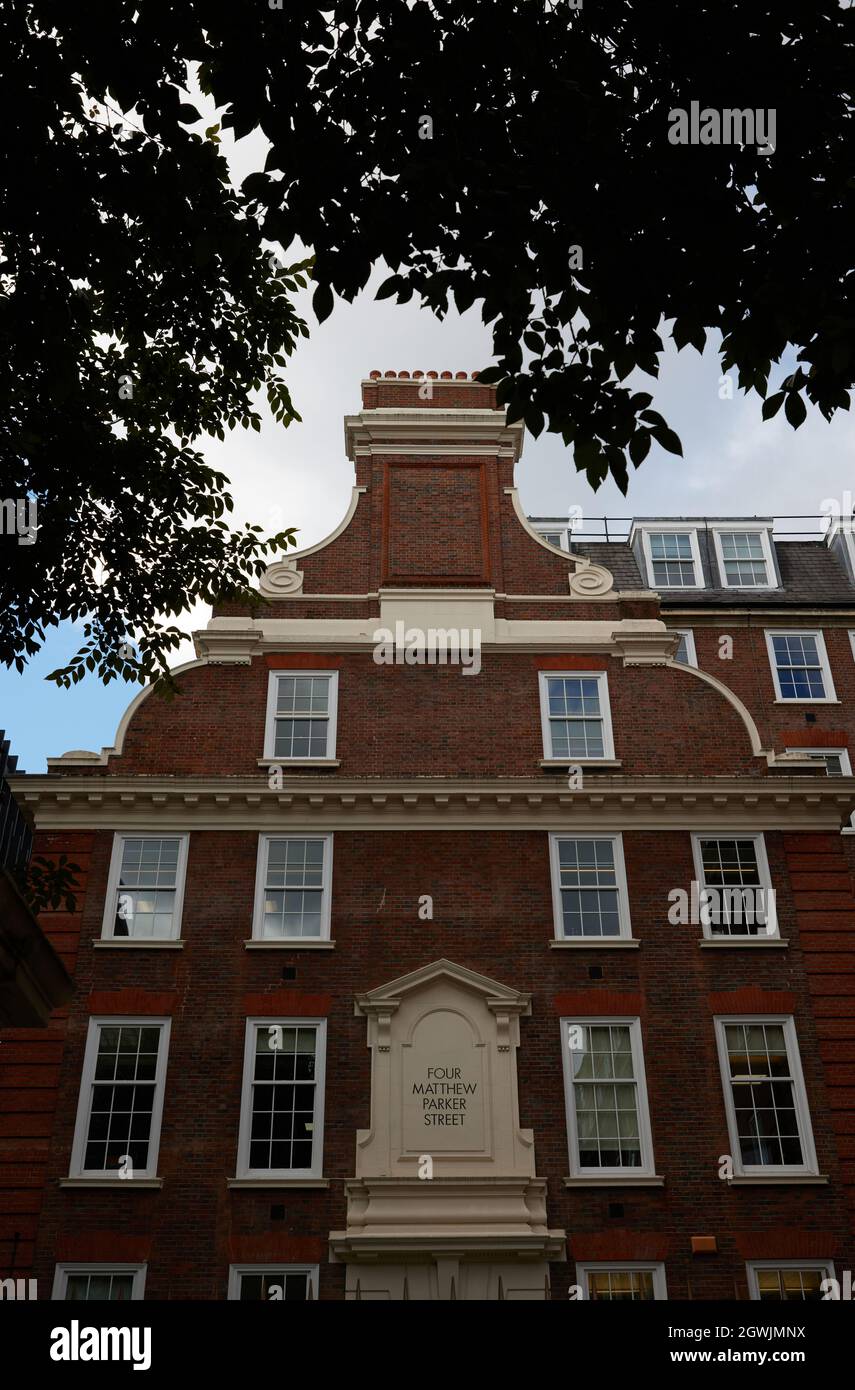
(443, 1086)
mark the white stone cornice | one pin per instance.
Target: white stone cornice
(431, 430)
(432, 803)
(638, 641)
(630, 595)
(229, 641)
(643, 643)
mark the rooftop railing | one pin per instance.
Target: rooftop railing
(618, 528)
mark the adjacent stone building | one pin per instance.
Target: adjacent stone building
(478, 922)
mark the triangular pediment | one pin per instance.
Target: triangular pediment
(495, 995)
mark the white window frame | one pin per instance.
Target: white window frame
(62, 1271)
(841, 753)
(763, 871)
(274, 1174)
(647, 1168)
(830, 696)
(691, 653)
(673, 527)
(605, 715)
(555, 837)
(751, 528)
(84, 1103)
(825, 1267)
(270, 718)
(561, 530)
(264, 840)
(236, 1273)
(654, 1267)
(852, 641)
(110, 901)
(809, 1167)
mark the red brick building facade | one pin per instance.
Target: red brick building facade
(382, 988)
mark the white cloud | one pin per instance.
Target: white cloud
(733, 462)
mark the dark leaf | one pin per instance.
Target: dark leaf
(795, 409)
(322, 302)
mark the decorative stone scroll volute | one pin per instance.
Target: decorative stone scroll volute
(445, 1169)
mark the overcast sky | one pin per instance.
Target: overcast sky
(733, 464)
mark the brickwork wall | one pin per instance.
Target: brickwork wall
(493, 914)
(423, 721)
(30, 1067)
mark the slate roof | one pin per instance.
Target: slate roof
(811, 577)
(617, 557)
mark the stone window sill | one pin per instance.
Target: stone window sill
(594, 943)
(807, 702)
(288, 945)
(739, 943)
(655, 1181)
(591, 764)
(298, 762)
(261, 1183)
(126, 1183)
(130, 943)
(778, 1180)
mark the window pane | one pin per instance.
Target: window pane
(673, 563)
(605, 1096)
(763, 1095)
(293, 897)
(150, 863)
(620, 1285)
(737, 904)
(283, 1097)
(682, 652)
(799, 666)
(783, 1285)
(274, 1283)
(145, 897)
(744, 559)
(589, 893)
(303, 695)
(97, 1286)
(301, 720)
(122, 1098)
(575, 717)
(300, 738)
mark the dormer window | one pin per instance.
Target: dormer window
(672, 560)
(745, 558)
(555, 530)
(672, 557)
